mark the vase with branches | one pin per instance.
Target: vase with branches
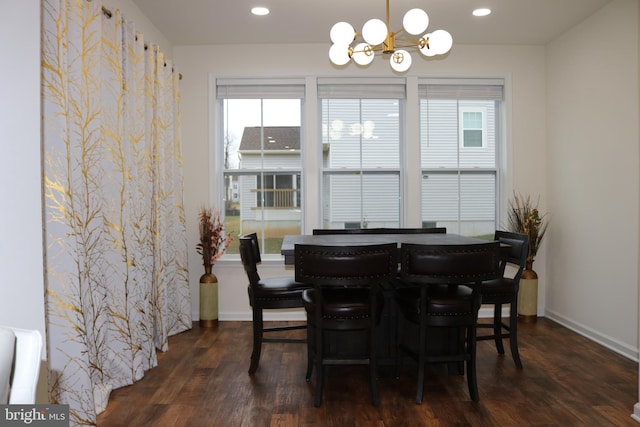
(524, 217)
(213, 240)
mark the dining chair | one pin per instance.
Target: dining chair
(503, 291)
(346, 297)
(20, 353)
(266, 294)
(442, 291)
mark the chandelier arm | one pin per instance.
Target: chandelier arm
(400, 31)
(415, 45)
(415, 41)
(377, 48)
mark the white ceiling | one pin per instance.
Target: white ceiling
(198, 22)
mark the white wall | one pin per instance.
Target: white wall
(523, 68)
(22, 283)
(593, 174)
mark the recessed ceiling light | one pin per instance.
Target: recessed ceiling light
(482, 12)
(260, 11)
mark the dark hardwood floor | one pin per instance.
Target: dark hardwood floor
(202, 380)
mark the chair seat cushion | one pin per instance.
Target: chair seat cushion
(277, 292)
(274, 284)
(345, 303)
(504, 286)
(442, 300)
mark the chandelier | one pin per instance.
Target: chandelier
(378, 38)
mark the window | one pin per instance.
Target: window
(261, 134)
(473, 126)
(365, 179)
(361, 146)
(459, 136)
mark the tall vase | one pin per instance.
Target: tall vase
(208, 298)
(528, 295)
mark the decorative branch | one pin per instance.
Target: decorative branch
(213, 240)
(524, 217)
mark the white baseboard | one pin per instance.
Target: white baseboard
(269, 315)
(636, 412)
(606, 341)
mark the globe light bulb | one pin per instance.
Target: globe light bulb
(415, 21)
(400, 60)
(342, 33)
(363, 54)
(339, 53)
(374, 32)
(427, 49)
(441, 42)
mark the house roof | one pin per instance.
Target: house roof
(275, 138)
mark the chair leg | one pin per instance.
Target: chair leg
(373, 379)
(472, 380)
(373, 365)
(420, 385)
(497, 327)
(257, 340)
(320, 368)
(422, 344)
(319, 385)
(456, 339)
(399, 349)
(310, 351)
(513, 333)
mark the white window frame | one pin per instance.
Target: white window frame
(410, 169)
(363, 89)
(462, 128)
(469, 90)
(232, 88)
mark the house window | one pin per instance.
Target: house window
(459, 140)
(261, 141)
(361, 146)
(472, 127)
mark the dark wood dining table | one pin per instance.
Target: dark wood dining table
(349, 342)
(289, 242)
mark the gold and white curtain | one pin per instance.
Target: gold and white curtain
(116, 248)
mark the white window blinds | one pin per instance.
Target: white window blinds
(372, 88)
(467, 89)
(257, 88)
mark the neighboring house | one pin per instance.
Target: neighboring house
(460, 156)
(272, 193)
(362, 176)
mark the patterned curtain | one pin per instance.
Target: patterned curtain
(116, 244)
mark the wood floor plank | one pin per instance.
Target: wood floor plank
(202, 380)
